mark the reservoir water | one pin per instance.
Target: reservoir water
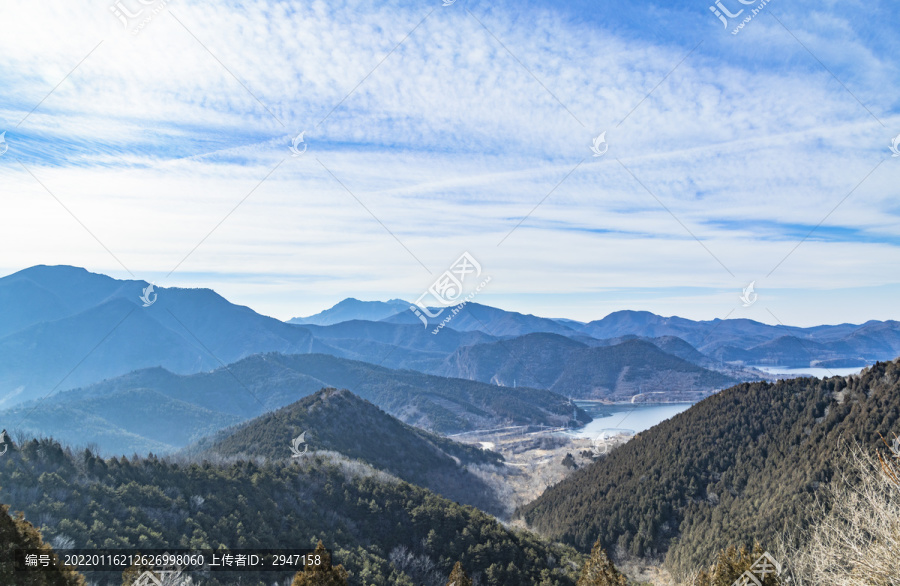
(642, 416)
(809, 371)
(634, 416)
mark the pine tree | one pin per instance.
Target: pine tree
(458, 577)
(598, 570)
(16, 533)
(731, 563)
(323, 574)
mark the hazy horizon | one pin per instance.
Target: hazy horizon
(486, 300)
(722, 156)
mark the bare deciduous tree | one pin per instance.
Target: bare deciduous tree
(858, 540)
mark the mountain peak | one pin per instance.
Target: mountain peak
(352, 308)
(337, 420)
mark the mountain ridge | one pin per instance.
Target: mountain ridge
(354, 309)
(65, 327)
(385, 531)
(740, 466)
(337, 420)
(570, 367)
(263, 382)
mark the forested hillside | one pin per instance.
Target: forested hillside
(739, 466)
(154, 410)
(17, 533)
(581, 370)
(339, 421)
(384, 531)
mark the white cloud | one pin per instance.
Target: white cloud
(450, 142)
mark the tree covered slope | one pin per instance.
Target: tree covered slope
(339, 421)
(739, 466)
(375, 524)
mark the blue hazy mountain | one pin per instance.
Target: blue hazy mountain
(752, 342)
(564, 365)
(396, 345)
(733, 340)
(63, 327)
(354, 309)
(156, 410)
(493, 321)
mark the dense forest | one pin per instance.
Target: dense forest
(588, 370)
(383, 531)
(741, 466)
(339, 421)
(17, 533)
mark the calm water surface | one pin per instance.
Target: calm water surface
(642, 416)
(636, 417)
(809, 371)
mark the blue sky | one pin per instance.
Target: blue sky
(433, 130)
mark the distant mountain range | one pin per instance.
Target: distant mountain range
(616, 372)
(339, 421)
(734, 340)
(354, 309)
(155, 410)
(62, 327)
(490, 320)
(755, 343)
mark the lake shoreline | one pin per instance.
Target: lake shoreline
(636, 417)
(614, 403)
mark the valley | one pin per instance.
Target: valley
(449, 293)
(552, 438)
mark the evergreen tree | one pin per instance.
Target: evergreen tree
(758, 455)
(143, 503)
(731, 564)
(17, 533)
(598, 570)
(323, 574)
(458, 577)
